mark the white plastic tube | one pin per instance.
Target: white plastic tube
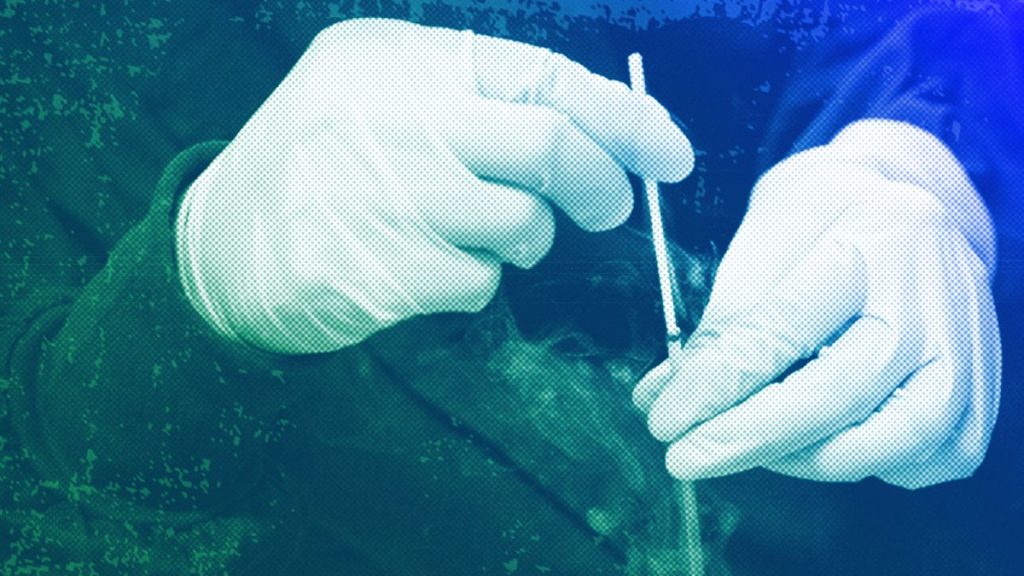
(639, 85)
(689, 537)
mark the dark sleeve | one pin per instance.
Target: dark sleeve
(956, 73)
(127, 416)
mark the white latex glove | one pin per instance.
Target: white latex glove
(872, 257)
(393, 171)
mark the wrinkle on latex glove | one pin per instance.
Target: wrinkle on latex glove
(633, 127)
(393, 171)
(878, 285)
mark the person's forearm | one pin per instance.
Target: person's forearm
(135, 395)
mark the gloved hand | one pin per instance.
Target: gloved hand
(393, 171)
(872, 257)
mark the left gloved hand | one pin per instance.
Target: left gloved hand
(872, 258)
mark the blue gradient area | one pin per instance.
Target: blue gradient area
(752, 90)
(750, 81)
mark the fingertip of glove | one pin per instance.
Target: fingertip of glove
(668, 155)
(660, 421)
(680, 162)
(680, 464)
(610, 212)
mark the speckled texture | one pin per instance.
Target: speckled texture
(134, 441)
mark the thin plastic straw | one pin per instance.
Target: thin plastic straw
(689, 537)
(639, 85)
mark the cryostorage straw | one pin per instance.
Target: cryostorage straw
(639, 85)
(689, 533)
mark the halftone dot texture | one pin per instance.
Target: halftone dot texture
(394, 169)
(135, 439)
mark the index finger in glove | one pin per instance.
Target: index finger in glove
(909, 426)
(539, 150)
(936, 425)
(800, 411)
(633, 128)
(728, 359)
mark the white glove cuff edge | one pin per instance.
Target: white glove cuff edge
(187, 224)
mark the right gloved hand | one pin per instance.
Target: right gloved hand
(870, 258)
(393, 171)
